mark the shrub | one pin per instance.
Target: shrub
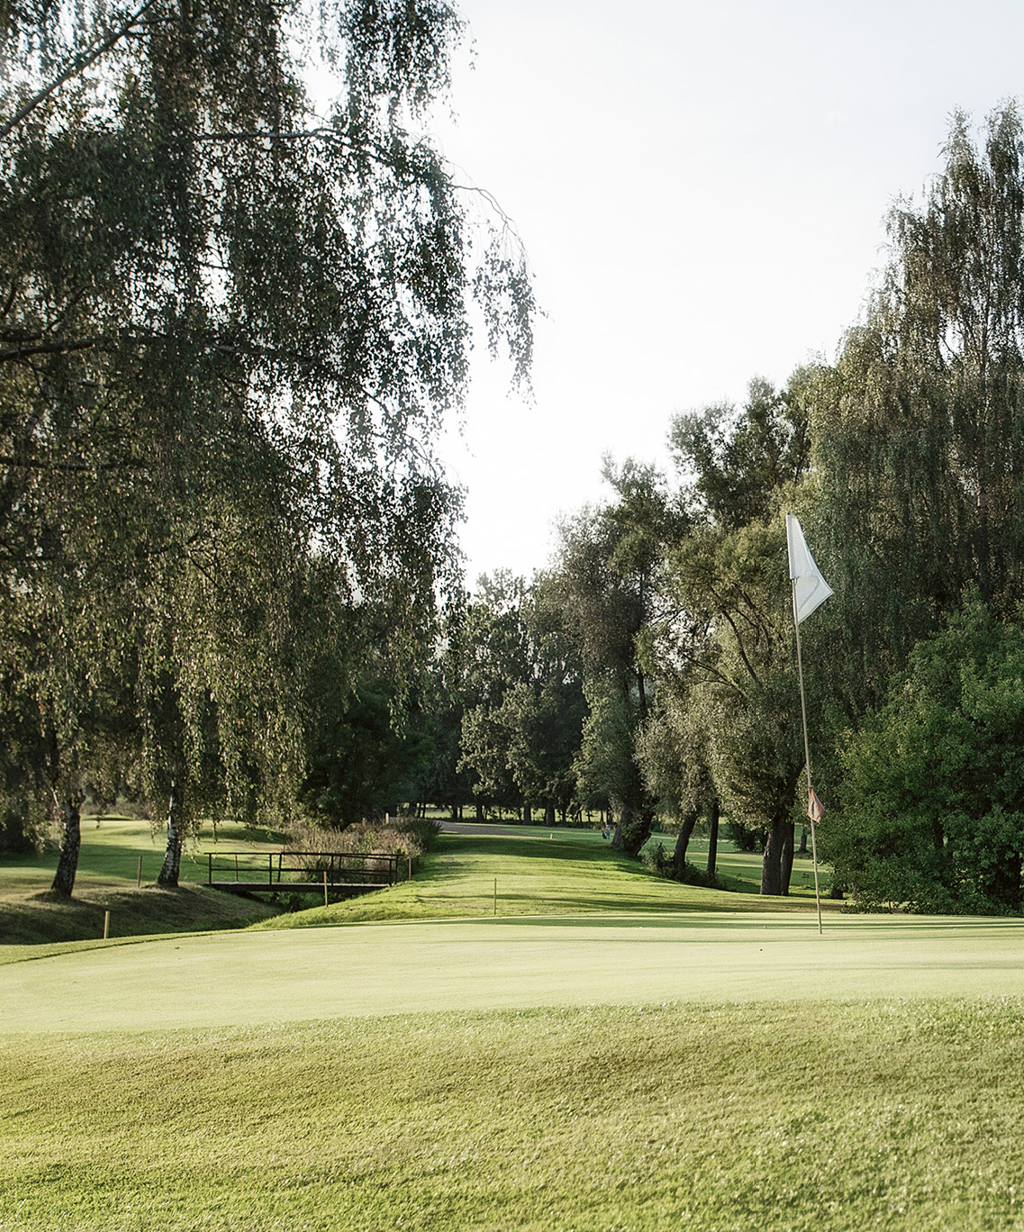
(661, 864)
(410, 836)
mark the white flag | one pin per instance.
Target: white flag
(811, 589)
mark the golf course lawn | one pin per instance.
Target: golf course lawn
(262, 978)
(645, 1069)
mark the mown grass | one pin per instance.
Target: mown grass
(542, 872)
(584, 1068)
(781, 1118)
(108, 880)
(111, 847)
(538, 871)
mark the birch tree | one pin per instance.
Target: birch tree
(220, 311)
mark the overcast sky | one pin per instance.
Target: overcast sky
(701, 190)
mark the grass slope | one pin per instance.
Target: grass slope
(538, 872)
(108, 872)
(623, 1060)
(545, 872)
(781, 1118)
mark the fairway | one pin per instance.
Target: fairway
(568, 1064)
(261, 978)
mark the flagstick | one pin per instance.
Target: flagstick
(807, 754)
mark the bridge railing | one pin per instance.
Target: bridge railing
(291, 867)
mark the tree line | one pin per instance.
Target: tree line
(662, 636)
(230, 329)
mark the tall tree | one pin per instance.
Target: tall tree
(209, 296)
(607, 577)
(496, 657)
(725, 644)
(919, 428)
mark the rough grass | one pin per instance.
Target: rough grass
(780, 1118)
(42, 918)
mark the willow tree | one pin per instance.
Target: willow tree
(220, 314)
(723, 647)
(606, 578)
(919, 428)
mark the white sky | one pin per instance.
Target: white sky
(701, 190)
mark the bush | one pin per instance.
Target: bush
(409, 836)
(931, 811)
(661, 864)
(744, 837)
(24, 827)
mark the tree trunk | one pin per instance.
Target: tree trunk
(527, 815)
(635, 829)
(175, 834)
(803, 840)
(479, 811)
(714, 814)
(683, 839)
(549, 813)
(787, 856)
(772, 863)
(70, 845)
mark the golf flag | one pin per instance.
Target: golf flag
(814, 806)
(810, 589)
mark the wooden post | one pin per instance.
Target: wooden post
(236, 866)
(495, 896)
(410, 869)
(139, 883)
(325, 887)
(209, 874)
(106, 924)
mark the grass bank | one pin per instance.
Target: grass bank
(533, 871)
(117, 869)
(784, 1118)
(562, 1066)
(539, 871)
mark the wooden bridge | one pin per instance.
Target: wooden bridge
(341, 873)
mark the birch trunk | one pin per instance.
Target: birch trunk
(70, 845)
(171, 866)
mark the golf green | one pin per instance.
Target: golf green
(222, 979)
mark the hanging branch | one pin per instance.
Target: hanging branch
(78, 64)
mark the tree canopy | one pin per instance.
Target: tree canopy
(230, 329)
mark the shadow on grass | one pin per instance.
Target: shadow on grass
(44, 917)
(747, 917)
(534, 847)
